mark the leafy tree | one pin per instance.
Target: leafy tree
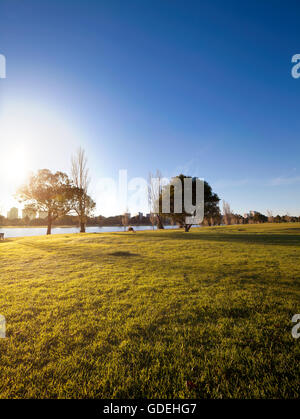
(211, 205)
(83, 205)
(211, 201)
(259, 218)
(50, 192)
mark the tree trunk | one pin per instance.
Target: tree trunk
(82, 227)
(187, 227)
(160, 225)
(49, 224)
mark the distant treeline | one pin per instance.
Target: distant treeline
(71, 220)
(257, 218)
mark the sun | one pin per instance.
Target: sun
(33, 136)
(15, 166)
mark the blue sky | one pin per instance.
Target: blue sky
(199, 87)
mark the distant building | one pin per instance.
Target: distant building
(140, 215)
(13, 213)
(31, 214)
(43, 214)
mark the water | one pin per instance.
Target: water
(41, 231)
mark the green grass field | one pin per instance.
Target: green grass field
(154, 314)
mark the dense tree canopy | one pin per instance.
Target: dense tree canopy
(49, 192)
(211, 201)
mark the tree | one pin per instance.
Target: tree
(50, 192)
(83, 204)
(154, 192)
(125, 219)
(153, 218)
(211, 201)
(227, 215)
(238, 219)
(270, 216)
(259, 218)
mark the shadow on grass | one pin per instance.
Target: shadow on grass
(39, 246)
(7, 240)
(212, 236)
(267, 239)
(123, 254)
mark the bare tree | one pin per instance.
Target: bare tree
(83, 203)
(227, 216)
(270, 216)
(153, 218)
(154, 191)
(125, 219)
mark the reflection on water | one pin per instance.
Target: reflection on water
(41, 231)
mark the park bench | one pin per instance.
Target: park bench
(1, 236)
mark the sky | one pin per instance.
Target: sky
(202, 88)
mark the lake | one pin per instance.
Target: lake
(41, 231)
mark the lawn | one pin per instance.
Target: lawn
(153, 314)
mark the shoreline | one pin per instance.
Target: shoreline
(74, 226)
(23, 231)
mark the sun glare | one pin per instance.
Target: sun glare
(16, 152)
(32, 138)
(15, 167)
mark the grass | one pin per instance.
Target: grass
(153, 314)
